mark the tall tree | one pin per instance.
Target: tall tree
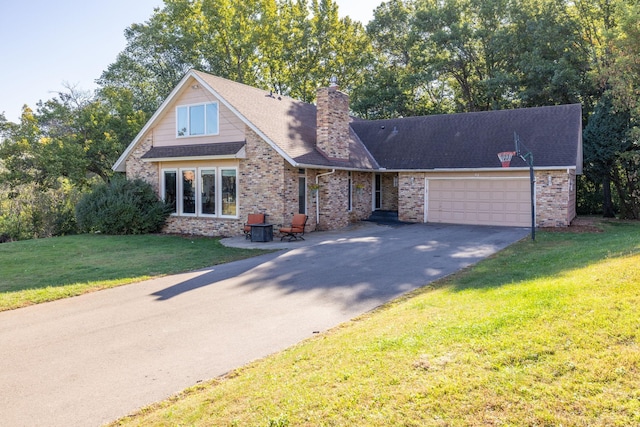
(606, 137)
(395, 84)
(287, 46)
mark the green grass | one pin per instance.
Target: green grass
(36, 271)
(545, 333)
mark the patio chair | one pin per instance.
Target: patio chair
(296, 230)
(258, 218)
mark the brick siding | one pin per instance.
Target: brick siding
(333, 131)
(555, 198)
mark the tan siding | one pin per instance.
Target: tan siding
(164, 133)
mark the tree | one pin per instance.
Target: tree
(287, 46)
(549, 56)
(395, 85)
(605, 137)
(475, 55)
(622, 70)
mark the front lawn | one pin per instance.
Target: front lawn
(35, 271)
(544, 333)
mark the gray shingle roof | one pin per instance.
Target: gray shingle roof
(195, 150)
(472, 140)
(453, 141)
(288, 123)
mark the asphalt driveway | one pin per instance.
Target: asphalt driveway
(88, 360)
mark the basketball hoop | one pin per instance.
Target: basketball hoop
(505, 158)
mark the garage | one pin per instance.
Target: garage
(487, 200)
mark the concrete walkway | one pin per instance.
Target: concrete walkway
(89, 360)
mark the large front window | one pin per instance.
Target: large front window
(195, 120)
(194, 191)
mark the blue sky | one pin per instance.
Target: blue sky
(47, 43)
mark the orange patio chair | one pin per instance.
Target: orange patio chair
(258, 218)
(296, 230)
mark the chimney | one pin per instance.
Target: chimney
(333, 132)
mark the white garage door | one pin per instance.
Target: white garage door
(482, 201)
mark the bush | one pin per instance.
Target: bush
(29, 211)
(122, 207)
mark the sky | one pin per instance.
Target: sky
(48, 44)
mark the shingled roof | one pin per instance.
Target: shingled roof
(452, 141)
(472, 140)
(224, 149)
(286, 122)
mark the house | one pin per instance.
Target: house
(217, 150)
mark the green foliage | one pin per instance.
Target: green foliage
(611, 156)
(589, 196)
(622, 70)
(28, 211)
(122, 207)
(286, 46)
(627, 183)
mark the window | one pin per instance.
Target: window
(350, 192)
(207, 191)
(189, 192)
(302, 192)
(229, 192)
(170, 189)
(195, 120)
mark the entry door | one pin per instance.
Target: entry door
(377, 192)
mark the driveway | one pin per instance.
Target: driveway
(88, 360)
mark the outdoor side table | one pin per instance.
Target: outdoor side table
(261, 232)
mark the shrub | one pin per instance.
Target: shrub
(30, 211)
(122, 207)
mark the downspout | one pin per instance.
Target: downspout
(318, 195)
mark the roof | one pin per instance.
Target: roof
(452, 141)
(288, 124)
(225, 149)
(472, 140)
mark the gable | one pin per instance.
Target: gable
(230, 127)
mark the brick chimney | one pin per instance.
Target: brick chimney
(333, 122)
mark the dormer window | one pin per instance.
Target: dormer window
(197, 120)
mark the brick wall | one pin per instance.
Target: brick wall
(555, 198)
(389, 191)
(361, 201)
(333, 131)
(136, 168)
(411, 197)
(333, 200)
(261, 181)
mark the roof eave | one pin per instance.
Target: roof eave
(525, 168)
(192, 158)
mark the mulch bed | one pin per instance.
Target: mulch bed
(587, 224)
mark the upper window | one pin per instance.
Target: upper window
(195, 120)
